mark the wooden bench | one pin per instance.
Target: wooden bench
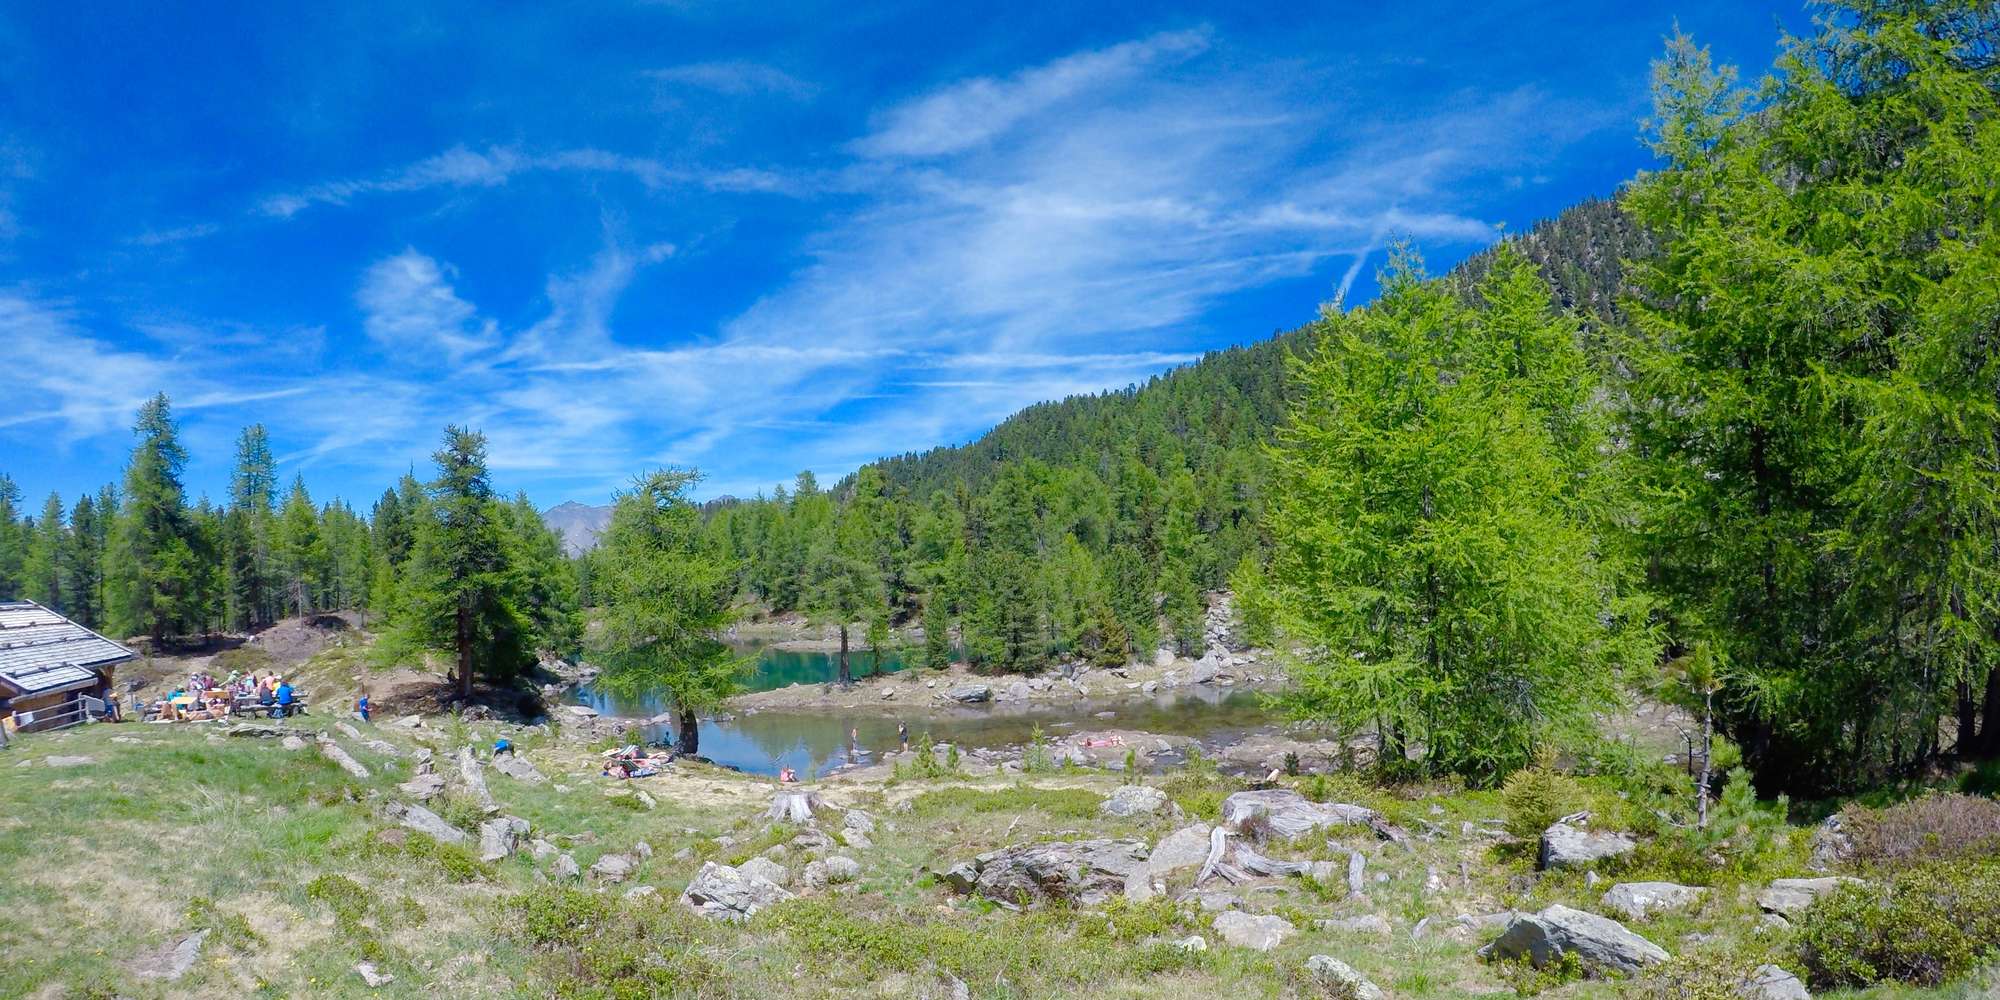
(252, 707)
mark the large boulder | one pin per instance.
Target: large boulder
(423, 787)
(518, 769)
(1291, 814)
(968, 694)
(614, 868)
(332, 751)
(1134, 800)
(1255, 933)
(1338, 978)
(473, 774)
(1788, 897)
(426, 822)
(1082, 871)
(1565, 845)
(1639, 900)
(720, 892)
(1599, 943)
(496, 839)
(766, 869)
(1186, 847)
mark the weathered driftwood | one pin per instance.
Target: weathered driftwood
(1218, 843)
(1257, 864)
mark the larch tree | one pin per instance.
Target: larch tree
(665, 604)
(1447, 590)
(44, 566)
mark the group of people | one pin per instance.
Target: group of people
(203, 697)
(632, 761)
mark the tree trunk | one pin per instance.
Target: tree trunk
(464, 654)
(1707, 754)
(1968, 721)
(1989, 726)
(846, 678)
(688, 742)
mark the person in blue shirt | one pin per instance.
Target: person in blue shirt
(361, 705)
(284, 700)
(503, 745)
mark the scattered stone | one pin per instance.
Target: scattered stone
(858, 819)
(519, 769)
(641, 892)
(1186, 847)
(423, 787)
(1770, 982)
(1831, 845)
(542, 850)
(130, 741)
(383, 747)
(496, 840)
(856, 839)
(348, 731)
(473, 774)
(332, 751)
(1433, 882)
(1568, 846)
(68, 761)
(967, 694)
(1339, 979)
(1083, 871)
(614, 868)
(644, 799)
(293, 743)
(724, 893)
(582, 711)
(1193, 942)
(258, 731)
(170, 961)
(841, 868)
(1788, 897)
(374, 978)
(565, 867)
(643, 849)
(766, 869)
(1639, 900)
(424, 760)
(1293, 815)
(1134, 800)
(1356, 863)
(1256, 933)
(426, 822)
(410, 722)
(1598, 942)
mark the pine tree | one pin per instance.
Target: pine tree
(85, 595)
(149, 565)
(47, 546)
(937, 633)
(299, 551)
(665, 604)
(843, 585)
(13, 541)
(1183, 556)
(255, 595)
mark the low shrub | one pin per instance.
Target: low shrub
(1934, 827)
(1538, 796)
(1339, 786)
(1932, 923)
(1689, 977)
(590, 946)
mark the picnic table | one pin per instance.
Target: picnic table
(251, 706)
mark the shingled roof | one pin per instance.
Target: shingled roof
(41, 651)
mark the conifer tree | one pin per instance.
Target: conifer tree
(44, 567)
(150, 566)
(299, 551)
(13, 542)
(85, 556)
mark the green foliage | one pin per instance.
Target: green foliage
(1933, 923)
(1690, 977)
(1036, 759)
(1538, 796)
(1811, 402)
(591, 946)
(1441, 501)
(1938, 826)
(1528, 981)
(1056, 803)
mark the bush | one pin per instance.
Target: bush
(1933, 923)
(1538, 796)
(587, 945)
(1689, 977)
(1934, 827)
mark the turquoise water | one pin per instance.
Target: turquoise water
(764, 742)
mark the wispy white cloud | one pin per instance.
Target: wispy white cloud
(736, 77)
(410, 309)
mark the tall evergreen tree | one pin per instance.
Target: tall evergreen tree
(13, 541)
(255, 592)
(150, 567)
(666, 603)
(85, 595)
(299, 551)
(44, 567)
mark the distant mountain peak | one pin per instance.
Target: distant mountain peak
(580, 524)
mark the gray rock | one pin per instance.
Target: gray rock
(1770, 982)
(542, 849)
(332, 751)
(766, 869)
(348, 731)
(582, 711)
(1018, 691)
(1788, 897)
(1367, 923)
(641, 892)
(496, 840)
(565, 867)
(970, 693)
(841, 868)
(1567, 846)
(426, 822)
(1163, 658)
(1339, 979)
(519, 769)
(614, 868)
(1186, 847)
(293, 743)
(720, 892)
(1256, 933)
(171, 961)
(375, 978)
(258, 731)
(1205, 671)
(77, 761)
(1291, 814)
(423, 787)
(856, 839)
(1193, 942)
(643, 849)
(1599, 943)
(473, 774)
(1134, 800)
(1083, 871)
(1639, 900)
(1831, 844)
(858, 819)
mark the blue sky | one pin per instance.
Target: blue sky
(749, 238)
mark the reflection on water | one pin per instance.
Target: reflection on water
(764, 742)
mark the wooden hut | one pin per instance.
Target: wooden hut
(53, 672)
